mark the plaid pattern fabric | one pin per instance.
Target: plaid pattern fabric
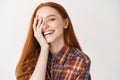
(68, 64)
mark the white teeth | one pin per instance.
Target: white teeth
(49, 32)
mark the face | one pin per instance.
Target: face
(53, 30)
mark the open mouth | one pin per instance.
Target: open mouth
(48, 32)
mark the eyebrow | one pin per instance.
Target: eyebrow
(50, 15)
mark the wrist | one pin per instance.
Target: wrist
(45, 47)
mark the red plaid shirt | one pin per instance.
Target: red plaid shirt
(68, 64)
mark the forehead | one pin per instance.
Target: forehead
(46, 11)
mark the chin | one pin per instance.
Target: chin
(49, 40)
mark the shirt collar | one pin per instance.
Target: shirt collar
(61, 56)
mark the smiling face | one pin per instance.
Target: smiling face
(53, 30)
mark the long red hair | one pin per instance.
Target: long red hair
(31, 48)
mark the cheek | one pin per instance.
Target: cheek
(57, 25)
(59, 30)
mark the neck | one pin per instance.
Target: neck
(55, 47)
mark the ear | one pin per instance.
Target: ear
(66, 23)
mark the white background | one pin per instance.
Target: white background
(96, 24)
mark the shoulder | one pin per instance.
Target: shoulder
(78, 60)
(77, 54)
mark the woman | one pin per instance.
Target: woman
(51, 51)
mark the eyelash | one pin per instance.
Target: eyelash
(52, 19)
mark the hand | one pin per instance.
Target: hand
(37, 28)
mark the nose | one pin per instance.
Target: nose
(45, 26)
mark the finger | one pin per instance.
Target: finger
(34, 24)
(39, 23)
(41, 27)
